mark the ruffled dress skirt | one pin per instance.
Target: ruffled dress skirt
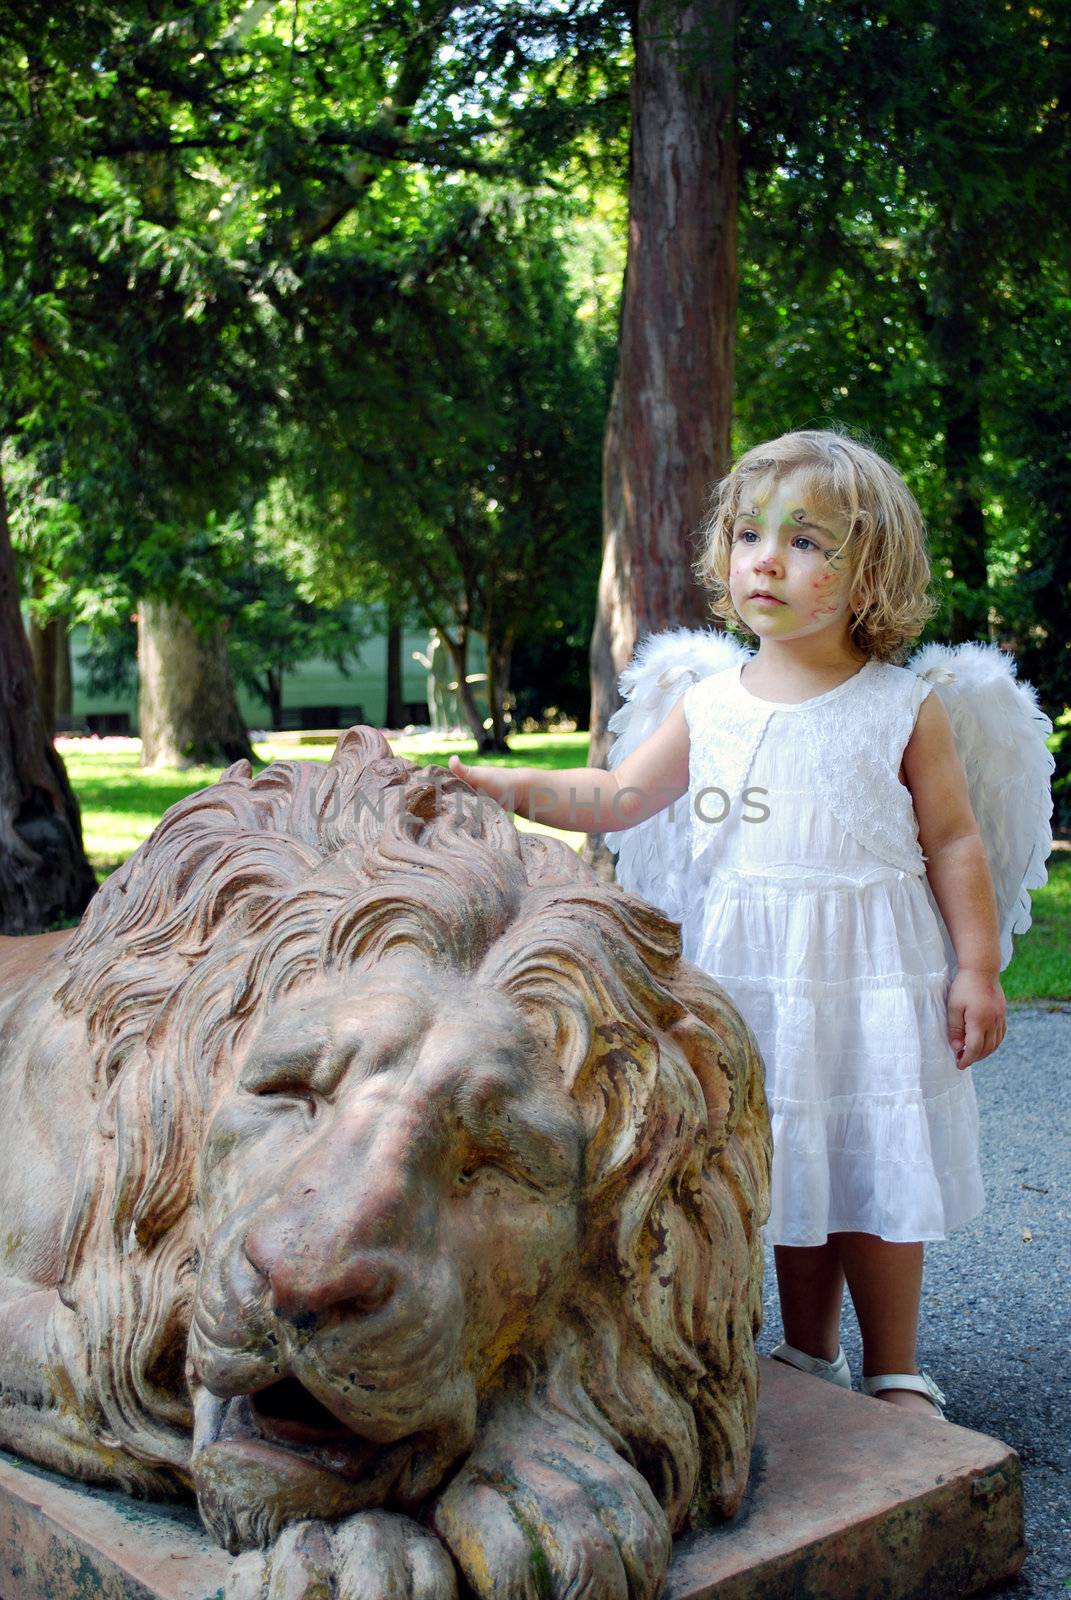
(836, 961)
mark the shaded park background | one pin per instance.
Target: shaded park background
(458, 310)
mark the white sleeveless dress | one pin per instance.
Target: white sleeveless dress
(819, 923)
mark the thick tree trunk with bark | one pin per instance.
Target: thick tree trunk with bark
(44, 873)
(667, 435)
(187, 705)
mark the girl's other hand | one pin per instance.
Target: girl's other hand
(976, 1015)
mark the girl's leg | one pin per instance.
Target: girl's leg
(810, 1282)
(885, 1283)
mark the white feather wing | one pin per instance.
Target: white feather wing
(654, 858)
(1000, 732)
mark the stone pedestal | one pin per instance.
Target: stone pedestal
(65, 1541)
(849, 1497)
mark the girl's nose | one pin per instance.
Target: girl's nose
(765, 560)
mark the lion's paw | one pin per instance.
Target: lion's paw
(552, 1535)
(372, 1556)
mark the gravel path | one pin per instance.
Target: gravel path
(996, 1308)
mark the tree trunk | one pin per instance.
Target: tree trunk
(50, 649)
(499, 650)
(499, 658)
(459, 658)
(957, 346)
(273, 683)
(64, 674)
(44, 652)
(187, 706)
(44, 873)
(395, 717)
(667, 434)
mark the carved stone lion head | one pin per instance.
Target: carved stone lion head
(427, 1176)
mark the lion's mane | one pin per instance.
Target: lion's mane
(256, 885)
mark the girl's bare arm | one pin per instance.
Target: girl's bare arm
(587, 799)
(962, 885)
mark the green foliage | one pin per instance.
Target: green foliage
(903, 262)
(1034, 411)
(451, 454)
(299, 304)
(273, 626)
(240, 236)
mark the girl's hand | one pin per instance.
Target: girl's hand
(459, 769)
(590, 799)
(492, 781)
(976, 1015)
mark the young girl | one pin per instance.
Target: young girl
(826, 793)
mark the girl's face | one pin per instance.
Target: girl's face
(784, 579)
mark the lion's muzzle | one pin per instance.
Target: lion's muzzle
(327, 1344)
(304, 1283)
(391, 1211)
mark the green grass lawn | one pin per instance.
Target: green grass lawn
(1041, 966)
(121, 805)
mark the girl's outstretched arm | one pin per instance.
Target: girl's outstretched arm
(959, 876)
(587, 799)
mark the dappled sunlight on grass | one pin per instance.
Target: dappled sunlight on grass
(121, 804)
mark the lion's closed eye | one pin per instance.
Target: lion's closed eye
(304, 1074)
(468, 1173)
(473, 1170)
(477, 1169)
(281, 1087)
(287, 1096)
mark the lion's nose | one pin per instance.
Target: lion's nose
(304, 1284)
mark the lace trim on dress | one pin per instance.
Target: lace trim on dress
(875, 723)
(814, 989)
(871, 716)
(792, 875)
(724, 735)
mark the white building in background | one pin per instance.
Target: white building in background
(315, 694)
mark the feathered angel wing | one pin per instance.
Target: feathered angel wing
(1000, 733)
(654, 858)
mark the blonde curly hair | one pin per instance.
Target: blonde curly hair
(885, 545)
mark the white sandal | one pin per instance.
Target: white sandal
(836, 1371)
(917, 1382)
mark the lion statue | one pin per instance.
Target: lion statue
(380, 1176)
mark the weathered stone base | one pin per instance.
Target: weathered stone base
(66, 1541)
(851, 1498)
(848, 1498)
